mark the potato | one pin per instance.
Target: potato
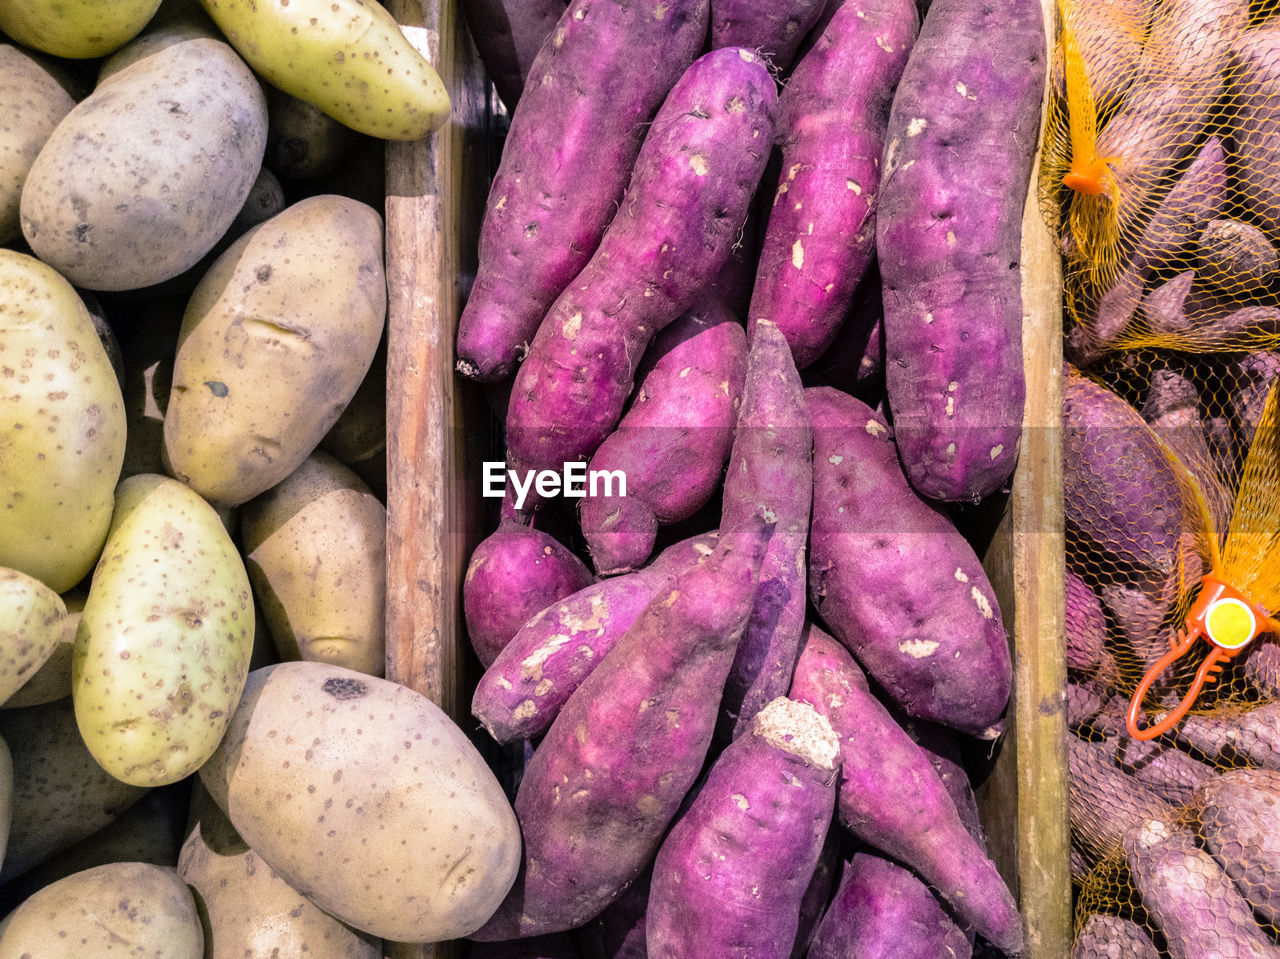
(120, 909)
(304, 142)
(32, 102)
(250, 912)
(274, 342)
(62, 427)
(163, 645)
(162, 153)
(75, 28)
(315, 549)
(348, 57)
(366, 798)
(53, 679)
(31, 624)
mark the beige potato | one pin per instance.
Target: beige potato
(62, 426)
(75, 28)
(274, 343)
(361, 431)
(60, 795)
(123, 909)
(31, 624)
(249, 911)
(162, 153)
(52, 680)
(315, 549)
(366, 798)
(32, 102)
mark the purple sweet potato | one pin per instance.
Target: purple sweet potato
(516, 571)
(618, 932)
(1084, 702)
(556, 945)
(774, 29)
(611, 772)
(854, 362)
(882, 910)
(1104, 802)
(1086, 626)
(1262, 667)
(1172, 773)
(895, 581)
(524, 688)
(891, 797)
(1189, 898)
(508, 35)
(1254, 82)
(770, 475)
(732, 872)
(831, 123)
(689, 196)
(960, 142)
(1234, 736)
(1238, 812)
(672, 443)
(1121, 492)
(1236, 257)
(1253, 376)
(573, 139)
(1110, 937)
(1182, 310)
(942, 748)
(813, 905)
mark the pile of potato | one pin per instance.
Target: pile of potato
(192, 427)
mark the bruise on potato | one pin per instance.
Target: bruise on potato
(611, 772)
(957, 163)
(688, 198)
(573, 141)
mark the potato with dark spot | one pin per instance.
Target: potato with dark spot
(117, 910)
(366, 798)
(31, 625)
(62, 426)
(162, 650)
(274, 342)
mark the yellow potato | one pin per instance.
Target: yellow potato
(32, 102)
(53, 680)
(62, 427)
(122, 909)
(162, 153)
(366, 798)
(347, 57)
(274, 343)
(75, 28)
(32, 619)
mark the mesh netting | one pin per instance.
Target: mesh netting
(1161, 178)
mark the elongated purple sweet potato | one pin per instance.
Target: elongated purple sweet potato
(1238, 812)
(891, 797)
(882, 910)
(957, 165)
(1262, 667)
(775, 29)
(688, 198)
(1110, 937)
(831, 122)
(1105, 802)
(672, 443)
(771, 476)
(731, 874)
(942, 747)
(618, 932)
(1189, 898)
(524, 688)
(573, 139)
(508, 35)
(1254, 81)
(1173, 774)
(1086, 626)
(854, 362)
(1235, 735)
(516, 571)
(1236, 257)
(610, 774)
(895, 581)
(813, 905)
(1253, 375)
(1121, 492)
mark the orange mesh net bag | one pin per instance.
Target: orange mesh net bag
(1161, 178)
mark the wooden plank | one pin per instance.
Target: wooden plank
(1024, 799)
(436, 424)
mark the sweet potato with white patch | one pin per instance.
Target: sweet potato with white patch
(891, 797)
(573, 139)
(688, 198)
(957, 164)
(514, 572)
(895, 581)
(770, 475)
(525, 686)
(612, 770)
(775, 29)
(832, 117)
(732, 872)
(1110, 937)
(1104, 802)
(508, 35)
(672, 443)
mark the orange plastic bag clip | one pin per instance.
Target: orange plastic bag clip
(1228, 621)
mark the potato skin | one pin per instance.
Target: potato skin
(75, 28)
(274, 342)
(32, 102)
(163, 154)
(62, 427)
(366, 798)
(32, 617)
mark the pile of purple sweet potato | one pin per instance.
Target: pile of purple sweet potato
(760, 262)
